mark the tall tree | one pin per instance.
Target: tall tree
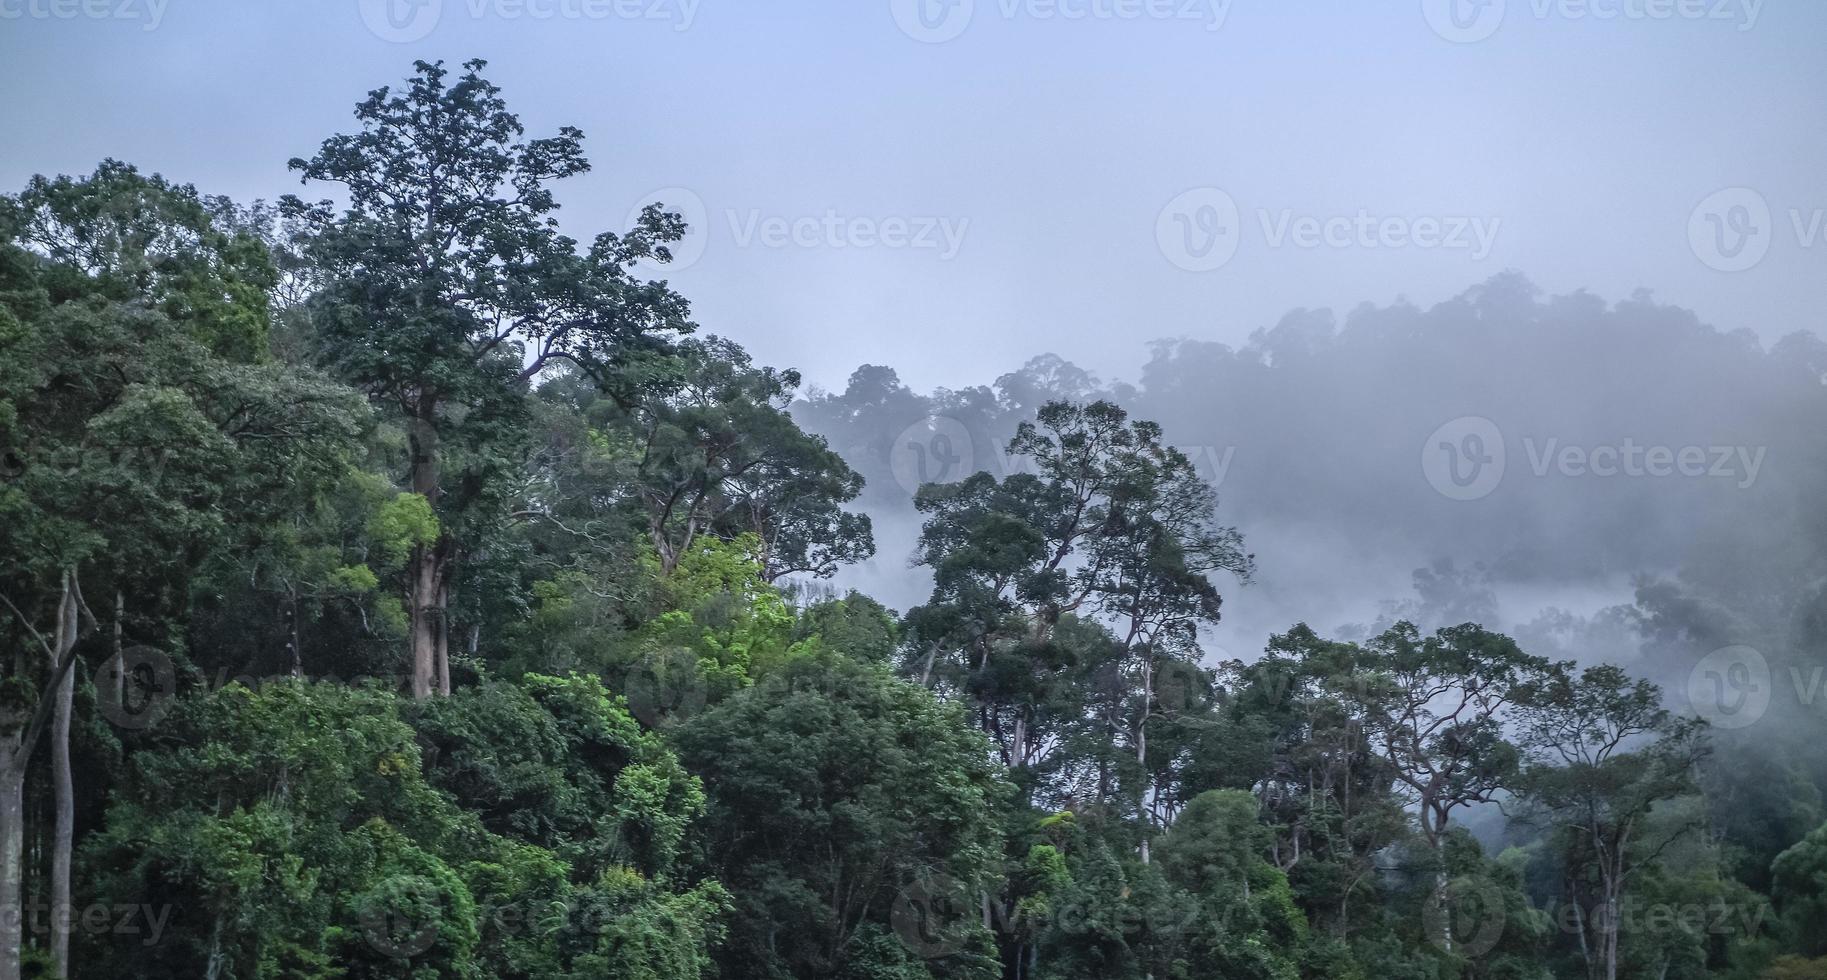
(448, 288)
(1437, 711)
(1111, 525)
(1605, 755)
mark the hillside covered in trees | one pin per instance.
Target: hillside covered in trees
(396, 586)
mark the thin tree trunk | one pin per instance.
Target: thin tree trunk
(441, 637)
(15, 754)
(295, 641)
(12, 858)
(120, 663)
(1148, 688)
(63, 836)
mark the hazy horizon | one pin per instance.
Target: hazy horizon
(1013, 191)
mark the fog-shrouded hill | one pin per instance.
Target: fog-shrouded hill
(1530, 462)
(1604, 480)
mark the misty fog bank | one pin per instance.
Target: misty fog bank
(1525, 461)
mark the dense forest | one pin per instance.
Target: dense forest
(396, 586)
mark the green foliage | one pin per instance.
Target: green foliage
(833, 789)
(402, 524)
(651, 764)
(1799, 886)
(856, 626)
(290, 829)
(296, 832)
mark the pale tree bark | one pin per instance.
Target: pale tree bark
(63, 834)
(15, 753)
(12, 855)
(426, 569)
(1148, 694)
(441, 650)
(424, 614)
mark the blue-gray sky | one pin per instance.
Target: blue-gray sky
(1041, 144)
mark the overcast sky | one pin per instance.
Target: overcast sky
(952, 189)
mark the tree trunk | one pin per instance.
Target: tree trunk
(15, 753)
(427, 565)
(12, 857)
(441, 636)
(1611, 936)
(119, 678)
(294, 636)
(1148, 697)
(63, 836)
(423, 630)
